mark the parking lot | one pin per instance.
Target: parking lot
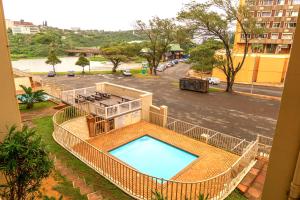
(234, 114)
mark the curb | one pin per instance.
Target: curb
(260, 96)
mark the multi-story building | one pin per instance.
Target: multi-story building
(278, 19)
(22, 27)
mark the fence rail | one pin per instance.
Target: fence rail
(142, 186)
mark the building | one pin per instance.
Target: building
(21, 27)
(279, 19)
(268, 55)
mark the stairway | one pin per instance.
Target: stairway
(78, 182)
(252, 185)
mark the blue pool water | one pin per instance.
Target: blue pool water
(154, 157)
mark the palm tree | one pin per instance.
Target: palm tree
(30, 97)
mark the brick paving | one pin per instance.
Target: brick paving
(252, 185)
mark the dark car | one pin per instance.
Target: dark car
(51, 74)
(71, 74)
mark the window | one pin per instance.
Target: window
(261, 25)
(248, 36)
(280, 2)
(266, 14)
(294, 13)
(287, 36)
(261, 36)
(258, 14)
(268, 2)
(296, 2)
(276, 25)
(274, 36)
(291, 25)
(278, 13)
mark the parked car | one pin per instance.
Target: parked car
(71, 74)
(126, 72)
(175, 61)
(213, 80)
(161, 68)
(169, 64)
(51, 74)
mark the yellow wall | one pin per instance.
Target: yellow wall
(271, 69)
(22, 81)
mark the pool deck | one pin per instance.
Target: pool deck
(212, 161)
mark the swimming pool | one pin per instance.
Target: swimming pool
(154, 157)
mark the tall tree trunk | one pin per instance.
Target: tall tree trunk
(89, 68)
(154, 70)
(229, 84)
(82, 70)
(151, 70)
(114, 69)
(53, 69)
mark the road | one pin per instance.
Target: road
(234, 114)
(176, 73)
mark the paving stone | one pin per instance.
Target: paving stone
(260, 179)
(254, 171)
(248, 180)
(242, 188)
(254, 193)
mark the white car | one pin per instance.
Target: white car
(213, 80)
(126, 72)
(161, 68)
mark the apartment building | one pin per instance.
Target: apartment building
(278, 18)
(22, 27)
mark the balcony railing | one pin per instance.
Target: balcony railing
(142, 186)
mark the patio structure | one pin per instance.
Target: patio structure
(90, 128)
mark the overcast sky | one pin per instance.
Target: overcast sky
(91, 14)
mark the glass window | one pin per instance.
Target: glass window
(278, 13)
(266, 14)
(274, 36)
(291, 25)
(296, 2)
(287, 36)
(268, 2)
(276, 25)
(294, 13)
(280, 2)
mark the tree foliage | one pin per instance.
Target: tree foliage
(37, 45)
(30, 97)
(82, 62)
(204, 58)
(24, 162)
(52, 59)
(119, 53)
(205, 20)
(160, 34)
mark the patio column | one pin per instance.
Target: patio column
(283, 167)
(10, 114)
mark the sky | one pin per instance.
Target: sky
(91, 14)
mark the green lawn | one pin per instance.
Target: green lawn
(37, 106)
(65, 188)
(44, 128)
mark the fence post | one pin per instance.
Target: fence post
(164, 113)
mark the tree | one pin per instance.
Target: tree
(24, 162)
(52, 59)
(82, 61)
(30, 97)
(204, 56)
(210, 23)
(119, 53)
(160, 34)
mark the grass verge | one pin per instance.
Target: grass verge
(65, 188)
(236, 195)
(44, 128)
(37, 106)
